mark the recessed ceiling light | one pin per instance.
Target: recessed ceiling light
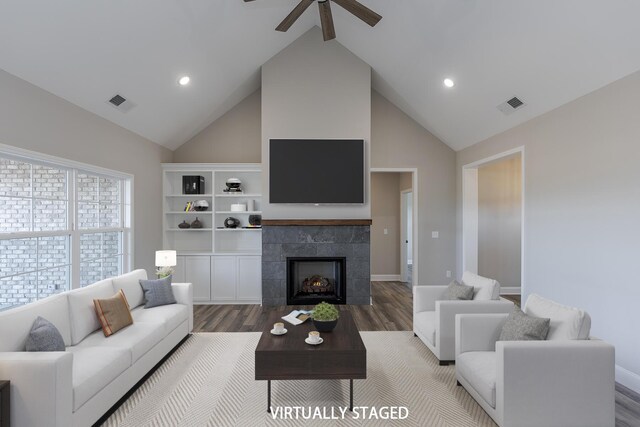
(448, 83)
(184, 80)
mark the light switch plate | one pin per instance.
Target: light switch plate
(449, 273)
(435, 234)
(386, 231)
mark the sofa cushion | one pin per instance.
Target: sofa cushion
(478, 368)
(113, 313)
(44, 336)
(522, 327)
(94, 368)
(483, 287)
(16, 323)
(138, 338)
(458, 291)
(170, 316)
(130, 285)
(425, 323)
(567, 323)
(84, 320)
(157, 292)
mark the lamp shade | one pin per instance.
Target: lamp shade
(166, 258)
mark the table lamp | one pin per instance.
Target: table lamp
(165, 263)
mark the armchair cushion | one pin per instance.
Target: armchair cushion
(567, 323)
(425, 323)
(479, 369)
(457, 291)
(483, 287)
(521, 327)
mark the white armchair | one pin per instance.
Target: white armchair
(434, 316)
(559, 382)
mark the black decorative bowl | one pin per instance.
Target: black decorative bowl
(325, 325)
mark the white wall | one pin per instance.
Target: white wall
(314, 89)
(582, 210)
(36, 120)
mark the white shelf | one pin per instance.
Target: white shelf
(239, 195)
(238, 229)
(189, 229)
(240, 212)
(189, 213)
(193, 196)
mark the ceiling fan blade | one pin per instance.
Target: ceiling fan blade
(360, 10)
(326, 19)
(246, 1)
(294, 15)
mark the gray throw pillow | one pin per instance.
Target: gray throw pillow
(522, 327)
(157, 292)
(457, 291)
(44, 336)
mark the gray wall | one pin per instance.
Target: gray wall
(385, 213)
(582, 207)
(398, 141)
(500, 221)
(314, 89)
(33, 119)
(233, 138)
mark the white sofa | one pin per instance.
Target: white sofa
(565, 381)
(76, 387)
(434, 316)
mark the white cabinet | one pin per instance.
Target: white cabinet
(223, 278)
(196, 270)
(249, 286)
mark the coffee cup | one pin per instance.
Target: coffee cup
(314, 336)
(278, 327)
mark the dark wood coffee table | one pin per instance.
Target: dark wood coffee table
(341, 356)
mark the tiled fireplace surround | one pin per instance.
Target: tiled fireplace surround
(283, 238)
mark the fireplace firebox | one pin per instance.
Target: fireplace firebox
(311, 280)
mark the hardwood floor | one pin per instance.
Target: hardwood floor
(391, 311)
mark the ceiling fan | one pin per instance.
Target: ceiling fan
(326, 19)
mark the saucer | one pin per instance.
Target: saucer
(313, 343)
(273, 332)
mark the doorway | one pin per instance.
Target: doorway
(493, 219)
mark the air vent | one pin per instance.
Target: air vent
(121, 103)
(118, 100)
(511, 105)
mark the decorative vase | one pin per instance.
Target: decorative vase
(325, 325)
(196, 223)
(231, 222)
(184, 224)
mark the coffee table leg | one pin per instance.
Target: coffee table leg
(269, 396)
(351, 395)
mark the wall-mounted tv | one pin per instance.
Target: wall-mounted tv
(330, 171)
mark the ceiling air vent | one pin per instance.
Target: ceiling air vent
(511, 105)
(121, 103)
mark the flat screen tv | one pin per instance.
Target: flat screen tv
(329, 171)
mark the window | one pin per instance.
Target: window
(61, 227)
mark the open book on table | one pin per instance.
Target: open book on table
(297, 317)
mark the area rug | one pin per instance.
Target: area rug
(209, 381)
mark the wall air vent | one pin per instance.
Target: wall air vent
(511, 105)
(121, 103)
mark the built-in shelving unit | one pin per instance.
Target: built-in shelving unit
(223, 263)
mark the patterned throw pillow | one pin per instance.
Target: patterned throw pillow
(522, 327)
(157, 292)
(457, 291)
(113, 313)
(44, 336)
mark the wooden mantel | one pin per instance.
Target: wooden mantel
(316, 222)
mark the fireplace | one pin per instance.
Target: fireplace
(311, 280)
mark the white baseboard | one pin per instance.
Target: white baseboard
(510, 290)
(386, 278)
(628, 379)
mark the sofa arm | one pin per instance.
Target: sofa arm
(478, 332)
(446, 312)
(425, 297)
(41, 387)
(183, 293)
(556, 383)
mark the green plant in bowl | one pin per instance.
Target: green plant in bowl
(325, 317)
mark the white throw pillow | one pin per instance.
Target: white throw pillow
(567, 323)
(483, 287)
(130, 285)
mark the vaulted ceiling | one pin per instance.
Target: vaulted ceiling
(545, 52)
